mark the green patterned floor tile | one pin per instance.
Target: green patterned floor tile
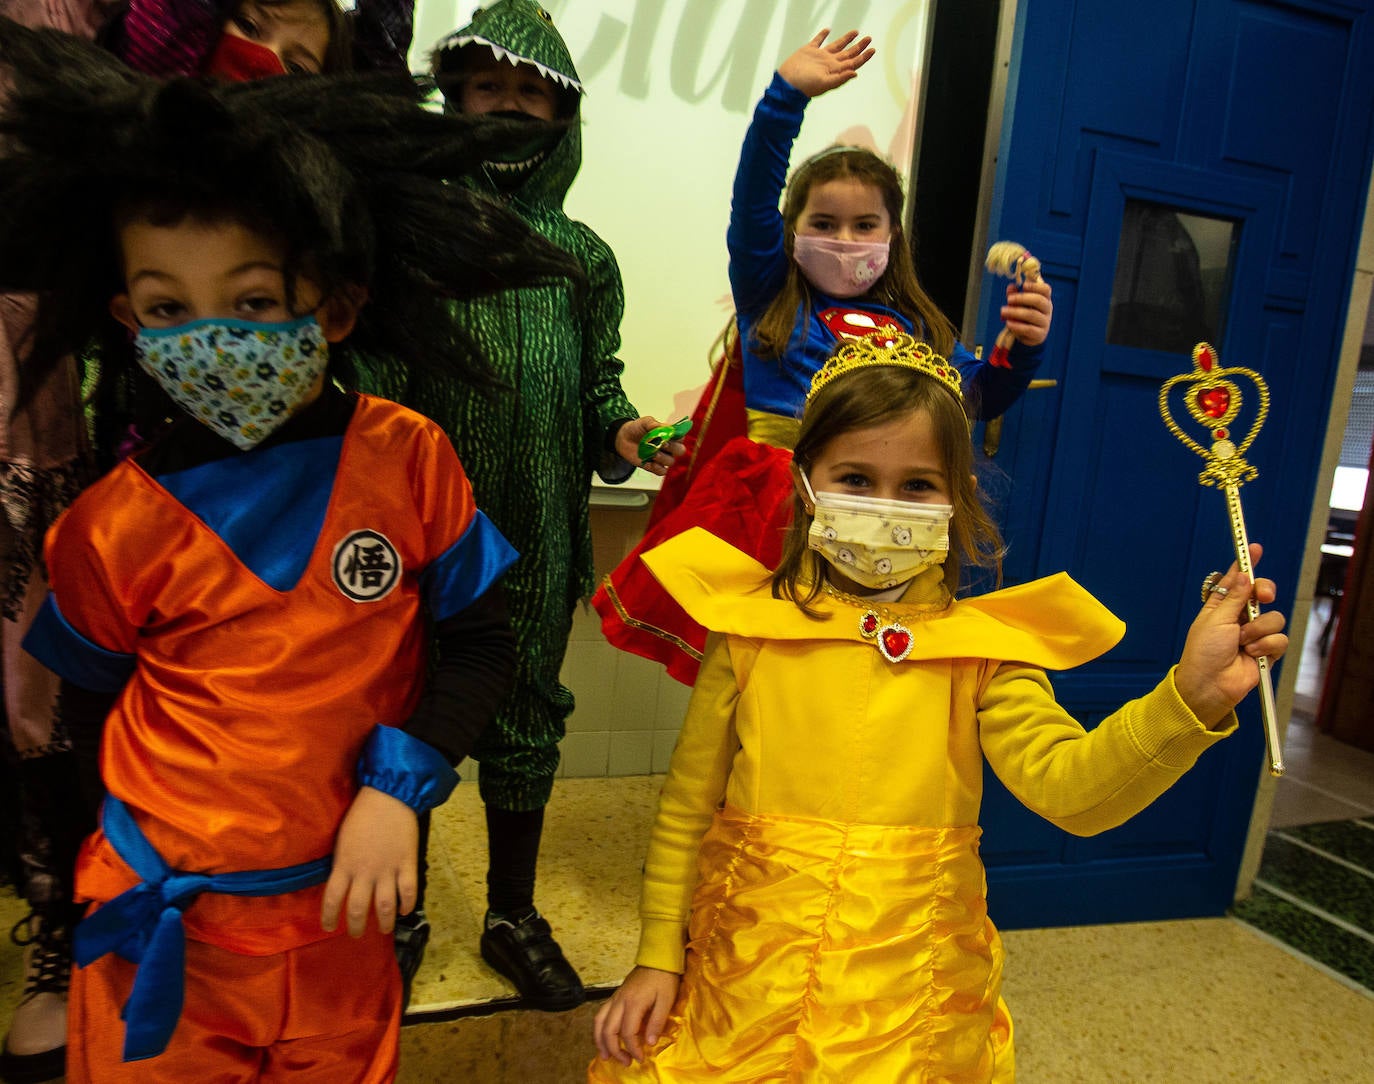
(1335, 888)
(1349, 840)
(1313, 936)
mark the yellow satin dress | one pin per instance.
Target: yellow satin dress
(813, 871)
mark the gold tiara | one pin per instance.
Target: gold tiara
(902, 350)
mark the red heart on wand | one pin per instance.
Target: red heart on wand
(1214, 402)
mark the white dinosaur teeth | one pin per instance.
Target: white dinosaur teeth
(502, 53)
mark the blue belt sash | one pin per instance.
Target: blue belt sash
(143, 925)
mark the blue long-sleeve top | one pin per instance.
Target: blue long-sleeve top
(758, 270)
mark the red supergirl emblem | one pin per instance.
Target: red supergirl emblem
(858, 324)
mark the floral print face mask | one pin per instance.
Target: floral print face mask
(877, 543)
(239, 378)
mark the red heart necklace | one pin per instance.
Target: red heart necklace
(893, 639)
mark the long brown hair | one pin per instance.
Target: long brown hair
(871, 396)
(339, 56)
(898, 288)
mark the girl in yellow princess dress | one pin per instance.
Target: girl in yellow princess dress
(814, 904)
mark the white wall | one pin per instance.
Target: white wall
(670, 88)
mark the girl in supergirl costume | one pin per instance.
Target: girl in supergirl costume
(814, 905)
(281, 623)
(834, 265)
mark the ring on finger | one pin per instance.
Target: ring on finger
(1211, 585)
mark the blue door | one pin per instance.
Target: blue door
(1185, 170)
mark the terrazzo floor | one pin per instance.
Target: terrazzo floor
(595, 832)
(1198, 1001)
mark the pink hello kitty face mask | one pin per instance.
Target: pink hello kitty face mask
(840, 268)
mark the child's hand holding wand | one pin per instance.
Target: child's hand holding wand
(1218, 666)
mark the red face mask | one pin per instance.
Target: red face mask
(237, 60)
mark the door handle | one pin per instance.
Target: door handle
(992, 431)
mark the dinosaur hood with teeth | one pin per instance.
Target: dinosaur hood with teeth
(530, 449)
(522, 32)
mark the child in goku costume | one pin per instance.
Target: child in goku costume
(530, 450)
(47, 456)
(281, 623)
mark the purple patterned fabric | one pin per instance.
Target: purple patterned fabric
(170, 37)
(176, 37)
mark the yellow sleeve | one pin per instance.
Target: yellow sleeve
(1087, 781)
(692, 792)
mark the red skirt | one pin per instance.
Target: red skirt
(743, 495)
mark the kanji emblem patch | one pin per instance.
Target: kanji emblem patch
(366, 566)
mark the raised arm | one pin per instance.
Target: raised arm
(754, 239)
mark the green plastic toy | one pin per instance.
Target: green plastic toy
(654, 440)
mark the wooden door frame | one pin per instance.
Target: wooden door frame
(987, 178)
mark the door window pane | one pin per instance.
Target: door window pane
(1173, 276)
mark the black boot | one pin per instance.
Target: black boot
(55, 818)
(36, 1047)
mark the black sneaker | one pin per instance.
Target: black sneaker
(522, 949)
(412, 935)
(36, 1047)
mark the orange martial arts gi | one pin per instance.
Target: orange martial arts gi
(262, 619)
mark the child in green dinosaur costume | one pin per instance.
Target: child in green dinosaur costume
(530, 452)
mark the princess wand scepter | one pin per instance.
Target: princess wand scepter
(1213, 401)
